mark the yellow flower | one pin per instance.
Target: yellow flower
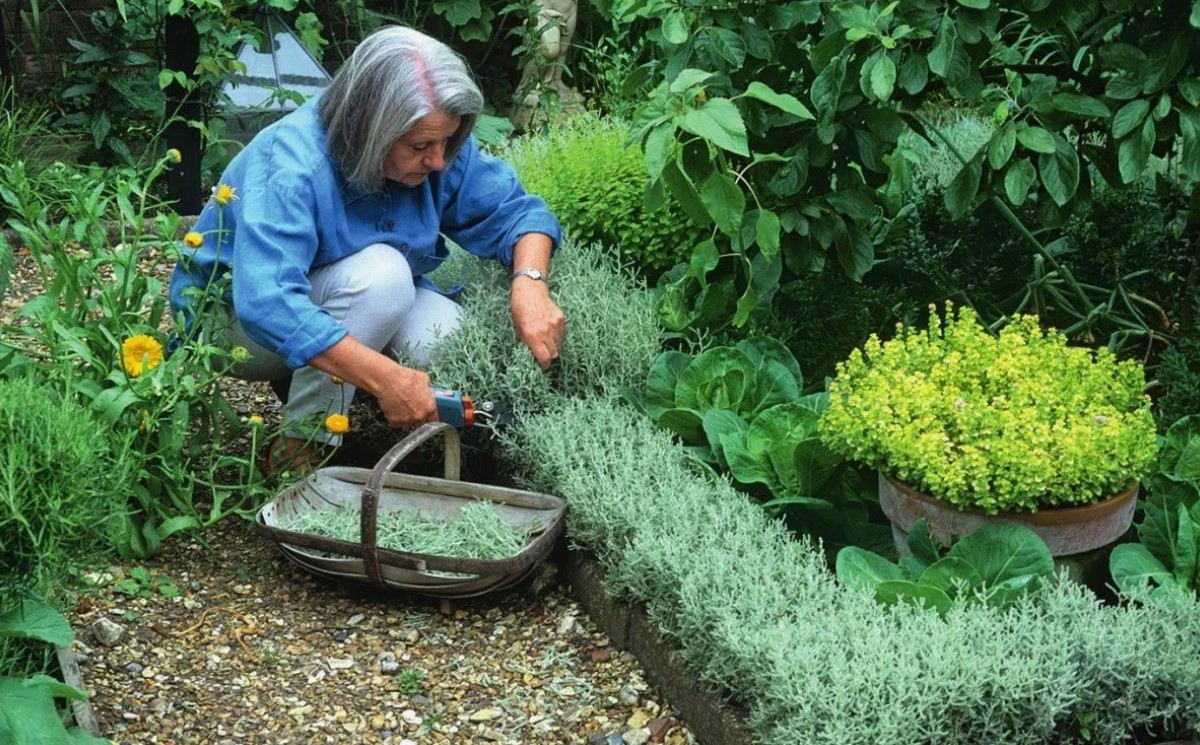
(174, 155)
(224, 195)
(254, 420)
(240, 354)
(193, 239)
(140, 354)
(337, 423)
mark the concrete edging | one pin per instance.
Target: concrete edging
(711, 720)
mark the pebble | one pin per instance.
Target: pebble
(486, 715)
(638, 720)
(628, 695)
(636, 737)
(134, 667)
(339, 663)
(567, 623)
(389, 667)
(107, 632)
(340, 635)
(356, 619)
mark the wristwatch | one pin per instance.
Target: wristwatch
(534, 274)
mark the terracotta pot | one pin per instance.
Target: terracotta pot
(1067, 531)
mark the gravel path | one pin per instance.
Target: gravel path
(221, 640)
(254, 650)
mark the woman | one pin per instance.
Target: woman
(329, 221)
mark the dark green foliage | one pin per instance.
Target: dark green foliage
(61, 485)
(1178, 376)
(595, 184)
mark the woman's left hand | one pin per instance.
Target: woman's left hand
(539, 322)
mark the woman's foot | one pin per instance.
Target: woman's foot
(295, 455)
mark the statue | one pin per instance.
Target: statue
(543, 74)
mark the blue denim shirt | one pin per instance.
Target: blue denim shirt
(294, 213)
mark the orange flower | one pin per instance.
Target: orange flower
(141, 353)
(337, 423)
(224, 195)
(193, 239)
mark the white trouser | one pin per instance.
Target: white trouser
(372, 295)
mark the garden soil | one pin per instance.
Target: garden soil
(221, 640)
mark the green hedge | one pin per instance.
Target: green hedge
(759, 615)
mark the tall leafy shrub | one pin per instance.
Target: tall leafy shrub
(594, 181)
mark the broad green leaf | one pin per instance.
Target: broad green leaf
(1179, 458)
(1194, 18)
(783, 101)
(675, 27)
(883, 78)
(1134, 152)
(1001, 146)
(914, 73)
(56, 687)
(1189, 129)
(1036, 139)
(1003, 551)
(659, 148)
(28, 715)
(1074, 103)
(953, 575)
(722, 426)
(1185, 549)
(1129, 117)
(719, 122)
(960, 194)
(976, 4)
(724, 201)
(923, 596)
(34, 620)
(718, 378)
(864, 570)
(458, 12)
(685, 192)
(857, 253)
(660, 383)
(1133, 568)
(922, 544)
(943, 50)
(766, 233)
(689, 78)
(684, 422)
(1017, 180)
(728, 45)
(1060, 172)
(858, 33)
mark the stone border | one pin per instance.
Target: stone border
(712, 721)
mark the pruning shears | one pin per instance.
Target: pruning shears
(459, 410)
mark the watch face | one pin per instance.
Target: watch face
(531, 273)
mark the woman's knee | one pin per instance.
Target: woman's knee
(376, 281)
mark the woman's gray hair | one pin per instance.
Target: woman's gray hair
(395, 77)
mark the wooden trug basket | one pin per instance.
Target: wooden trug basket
(372, 492)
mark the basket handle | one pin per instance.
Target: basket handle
(370, 493)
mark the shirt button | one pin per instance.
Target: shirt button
(391, 224)
(403, 248)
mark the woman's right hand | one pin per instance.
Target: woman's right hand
(404, 394)
(406, 399)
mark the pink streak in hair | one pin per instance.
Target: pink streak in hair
(423, 76)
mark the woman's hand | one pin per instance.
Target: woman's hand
(403, 393)
(406, 399)
(539, 322)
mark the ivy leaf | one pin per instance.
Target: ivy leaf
(782, 101)
(1060, 172)
(960, 194)
(1134, 151)
(1017, 180)
(724, 201)
(1129, 117)
(719, 122)
(883, 78)
(1036, 139)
